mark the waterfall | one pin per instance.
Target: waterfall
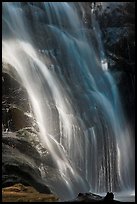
(73, 95)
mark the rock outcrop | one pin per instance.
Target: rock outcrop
(91, 197)
(21, 193)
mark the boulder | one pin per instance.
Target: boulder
(91, 197)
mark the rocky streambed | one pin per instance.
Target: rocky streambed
(21, 193)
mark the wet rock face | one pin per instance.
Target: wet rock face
(13, 93)
(25, 160)
(14, 104)
(117, 22)
(14, 119)
(21, 161)
(22, 152)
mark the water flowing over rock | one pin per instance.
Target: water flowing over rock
(82, 133)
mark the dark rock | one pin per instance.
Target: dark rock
(21, 162)
(14, 119)
(24, 174)
(118, 27)
(109, 196)
(23, 146)
(15, 103)
(13, 92)
(90, 197)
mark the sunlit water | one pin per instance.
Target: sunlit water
(73, 95)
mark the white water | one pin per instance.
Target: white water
(74, 97)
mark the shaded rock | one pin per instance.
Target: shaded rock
(25, 174)
(109, 196)
(15, 119)
(91, 197)
(15, 102)
(13, 92)
(21, 163)
(117, 22)
(23, 146)
(25, 160)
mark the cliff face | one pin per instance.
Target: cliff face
(117, 22)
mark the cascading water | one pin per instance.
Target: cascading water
(73, 95)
